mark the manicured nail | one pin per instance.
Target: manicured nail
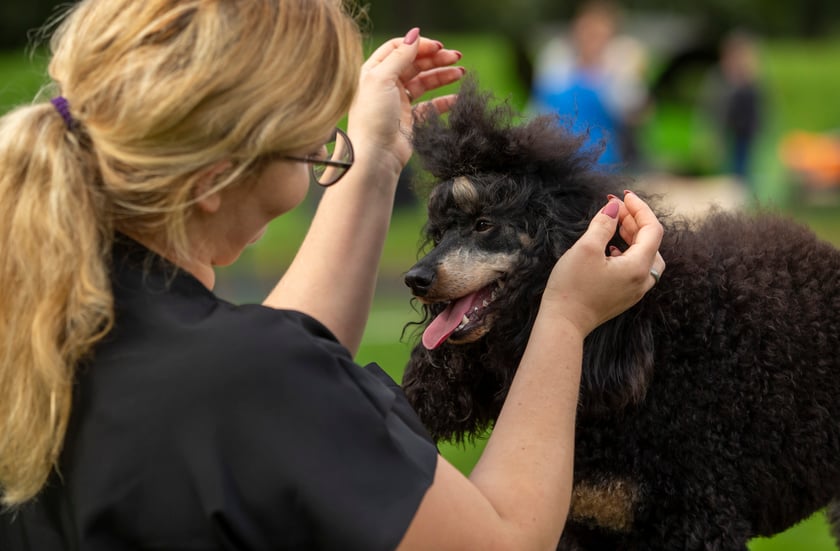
(411, 36)
(615, 251)
(610, 197)
(611, 209)
(459, 54)
(463, 70)
(627, 191)
(439, 44)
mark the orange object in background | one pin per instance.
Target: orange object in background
(813, 156)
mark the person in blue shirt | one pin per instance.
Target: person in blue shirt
(592, 79)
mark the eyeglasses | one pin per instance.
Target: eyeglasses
(332, 162)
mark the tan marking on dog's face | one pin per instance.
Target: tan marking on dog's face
(464, 271)
(608, 504)
(464, 194)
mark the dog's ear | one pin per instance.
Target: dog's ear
(617, 363)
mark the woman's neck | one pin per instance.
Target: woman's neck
(197, 265)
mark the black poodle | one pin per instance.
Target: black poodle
(709, 413)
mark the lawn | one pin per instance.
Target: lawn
(803, 93)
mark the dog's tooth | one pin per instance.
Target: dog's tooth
(465, 321)
(485, 303)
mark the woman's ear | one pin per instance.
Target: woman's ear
(206, 199)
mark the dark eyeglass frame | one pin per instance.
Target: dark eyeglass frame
(315, 162)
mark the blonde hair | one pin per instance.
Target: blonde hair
(159, 90)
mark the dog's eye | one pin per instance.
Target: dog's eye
(482, 225)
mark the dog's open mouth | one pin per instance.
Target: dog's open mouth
(461, 317)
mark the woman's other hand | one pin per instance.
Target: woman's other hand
(590, 287)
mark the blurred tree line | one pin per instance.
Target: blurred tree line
(803, 18)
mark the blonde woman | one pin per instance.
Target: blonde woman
(138, 410)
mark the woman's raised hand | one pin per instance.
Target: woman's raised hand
(393, 79)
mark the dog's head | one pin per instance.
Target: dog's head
(506, 202)
(478, 243)
(508, 198)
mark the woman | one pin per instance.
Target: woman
(139, 410)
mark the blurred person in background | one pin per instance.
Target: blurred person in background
(734, 96)
(594, 80)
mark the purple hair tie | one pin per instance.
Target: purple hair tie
(63, 107)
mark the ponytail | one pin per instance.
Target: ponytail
(55, 294)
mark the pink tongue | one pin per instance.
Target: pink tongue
(447, 321)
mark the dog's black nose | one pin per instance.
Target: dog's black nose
(420, 279)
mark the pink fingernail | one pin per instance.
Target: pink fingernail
(463, 70)
(459, 54)
(611, 209)
(610, 196)
(439, 44)
(627, 191)
(412, 35)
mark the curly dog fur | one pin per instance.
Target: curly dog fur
(709, 413)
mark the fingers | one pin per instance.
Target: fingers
(630, 223)
(427, 53)
(642, 226)
(417, 64)
(441, 104)
(425, 47)
(602, 226)
(439, 58)
(433, 79)
(642, 231)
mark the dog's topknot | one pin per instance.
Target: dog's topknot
(486, 136)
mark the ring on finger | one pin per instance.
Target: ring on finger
(656, 275)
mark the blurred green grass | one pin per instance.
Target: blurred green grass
(803, 91)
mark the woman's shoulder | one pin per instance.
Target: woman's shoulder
(289, 345)
(259, 326)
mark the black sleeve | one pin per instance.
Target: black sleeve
(304, 448)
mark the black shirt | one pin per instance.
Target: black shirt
(203, 425)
